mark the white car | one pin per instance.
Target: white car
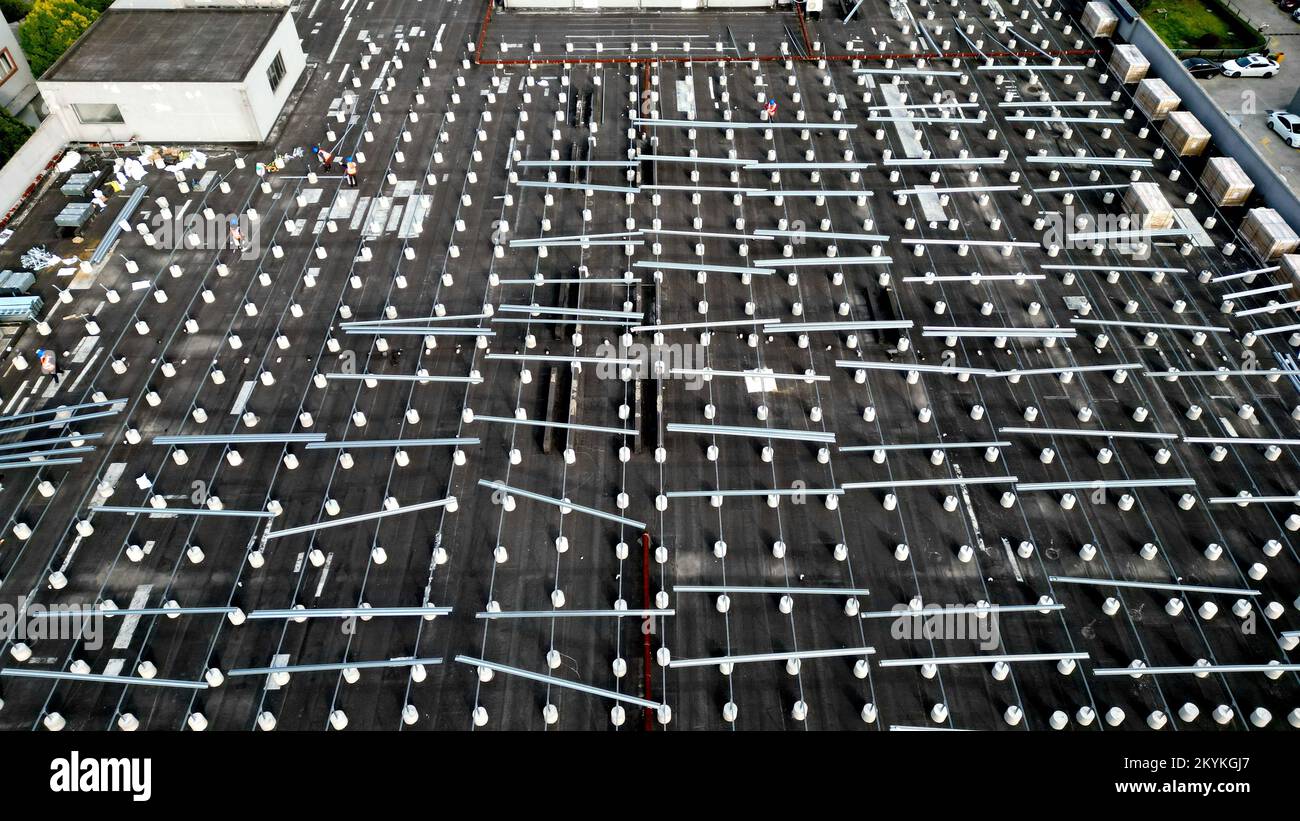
(1287, 126)
(1254, 65)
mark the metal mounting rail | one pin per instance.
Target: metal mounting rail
(537, 497)
(1186, 588)
(364, 517)
(559, 682)
(97, 678)
(754, 658)
(332, 666)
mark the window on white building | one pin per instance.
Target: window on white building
(276, 72)
(98, 113)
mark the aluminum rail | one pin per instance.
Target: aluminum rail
(1226, 372)
(1005, 657)
(748, 374)
(741, 124)
(366, 323)
(407, 377)
(114, 612)
(682, 158)
(347, 444)
(578, 312)
(948, 482)
(585, 360)
(1244, 274)
(537, 497)
(754, 433)
(1104, 434)
(945, 611)
(115, 228)
(572, 614)
(1235, 440)
(751, 492)
(928, 161)
(1010, 333)
(1125, 162)
(1186, 588)
(808, 192)
(772, 232)
(97, 678)
(364, 517)
(329, 667)
(41, 463)
(391, 330)
(955, 189)
(541, 423)
(810, 327)
(72, 437)
(182, 511)
(1105, 484)
(1070, 369)
(58, 423)
(688, 326)
(237, 438)
(809, 166)
(973, 243)
(857, 364)
(1196, 669)
(18, 458)
(754, 658)
(760, 589)
(578, 186)
(813, 262)
(1246, 500)
(1123, 323)
(1145, 269)
(1271, 289)
(699, 266)
(923, 446)
(576, 164)
(559, 682)
(346, 612)
(71, 409)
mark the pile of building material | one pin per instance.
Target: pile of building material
(1291, 269)
(1225, 182)
(1156, 99)
(1128, 64)
(1268, 234)
(1098, 20)
(1186, 134)
(1149, 207)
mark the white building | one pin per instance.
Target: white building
(18, 93)
(176, 75)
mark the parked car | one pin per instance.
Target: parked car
(1252, 65)
(1295, 15)
(1287, 126)
(1200, 67)
(1288, 5)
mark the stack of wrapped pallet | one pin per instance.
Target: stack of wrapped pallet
(1186, 134)
(1128, 65)
(1226, 183)
(1149, 207)
(1156, 99)
(1291, 269)
(1268, 234)
(1099, 20)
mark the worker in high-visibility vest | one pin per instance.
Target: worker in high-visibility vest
(352, 172)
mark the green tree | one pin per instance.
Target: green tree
(50, 28)
(14, 10)
(13, 133)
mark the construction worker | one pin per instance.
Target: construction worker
(352, 172)
(326, 158)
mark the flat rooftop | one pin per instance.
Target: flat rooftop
(209, 46)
